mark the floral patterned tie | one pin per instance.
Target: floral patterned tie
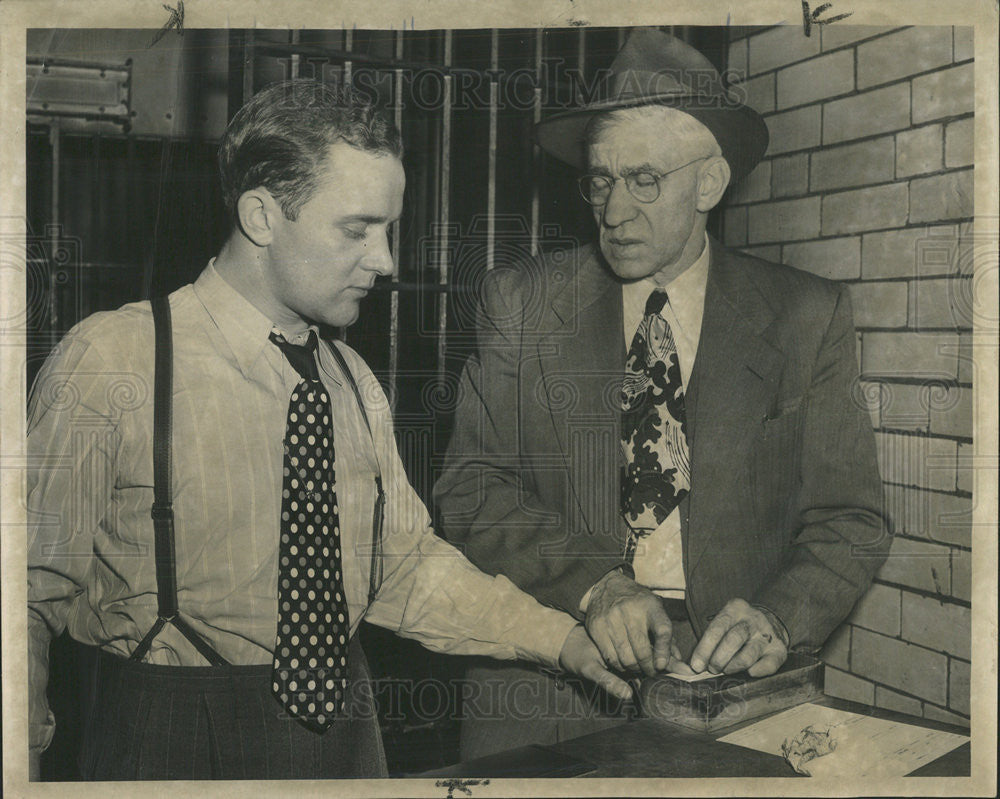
(657, 475)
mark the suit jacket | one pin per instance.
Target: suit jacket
(785, 508)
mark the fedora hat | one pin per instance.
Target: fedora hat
(655, 68)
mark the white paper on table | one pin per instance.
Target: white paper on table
(693, 677)
(866, 746)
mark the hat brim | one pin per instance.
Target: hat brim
(740, 131)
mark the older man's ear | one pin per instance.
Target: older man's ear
(713, 178)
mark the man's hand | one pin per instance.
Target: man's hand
(622, 616)
(580, 656)
(740, 637)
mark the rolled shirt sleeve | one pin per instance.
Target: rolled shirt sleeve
(90, 560)
(72, 444)
(430, 591)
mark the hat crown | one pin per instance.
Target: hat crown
(655, 68)
(652, 63)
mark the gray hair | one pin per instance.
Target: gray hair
(676, 123)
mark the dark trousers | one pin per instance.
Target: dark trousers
(150, 722)
(507, 706)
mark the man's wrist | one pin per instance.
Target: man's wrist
(776, 623)
(558, 671)
(622, 568)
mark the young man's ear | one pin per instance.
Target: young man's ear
(256, 213)
(713, 178)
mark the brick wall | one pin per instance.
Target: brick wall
(868, 181)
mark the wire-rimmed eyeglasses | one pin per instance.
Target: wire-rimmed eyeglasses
(643, 185)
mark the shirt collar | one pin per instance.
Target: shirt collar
(685, 293)
(243, 326)
(247, 330)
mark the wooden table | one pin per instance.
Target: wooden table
(652, 748)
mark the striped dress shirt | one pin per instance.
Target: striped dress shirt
(90, 487)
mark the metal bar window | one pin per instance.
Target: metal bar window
(444, 210)
(429, 266)
(347, 75)
(55, 215)
(394, 293)
(293, 64)
(536, 153)
(491, 188)
(462, 113)
(248, 68)
(349, 64)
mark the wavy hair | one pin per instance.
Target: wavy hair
(280, 138)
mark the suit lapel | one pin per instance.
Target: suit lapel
(581, 355)
(581, 360)
(736, 373)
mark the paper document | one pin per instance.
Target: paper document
(863, 746)
(683, 671)
(692, 677)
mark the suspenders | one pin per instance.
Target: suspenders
(375, 574)
(162, 511)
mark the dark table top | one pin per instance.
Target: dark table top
(654, 748)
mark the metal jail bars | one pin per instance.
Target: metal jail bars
(480, 193)
(466, 102)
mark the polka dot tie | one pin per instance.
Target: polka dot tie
(654, 428)
(309, 677)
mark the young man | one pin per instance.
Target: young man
(288, 494)
(659, 433)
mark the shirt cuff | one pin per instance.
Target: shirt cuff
(40, 735)
(623, 567)
(776, 623)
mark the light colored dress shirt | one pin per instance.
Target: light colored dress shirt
(90, 487)
(658, 562)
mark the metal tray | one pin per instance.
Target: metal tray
(720, 702)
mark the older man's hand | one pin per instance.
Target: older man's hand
(741, 637)
(629, 625)
(581, 657)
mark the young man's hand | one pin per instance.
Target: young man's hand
(581, 657)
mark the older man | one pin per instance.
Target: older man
(281, 510)
(661, 437)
